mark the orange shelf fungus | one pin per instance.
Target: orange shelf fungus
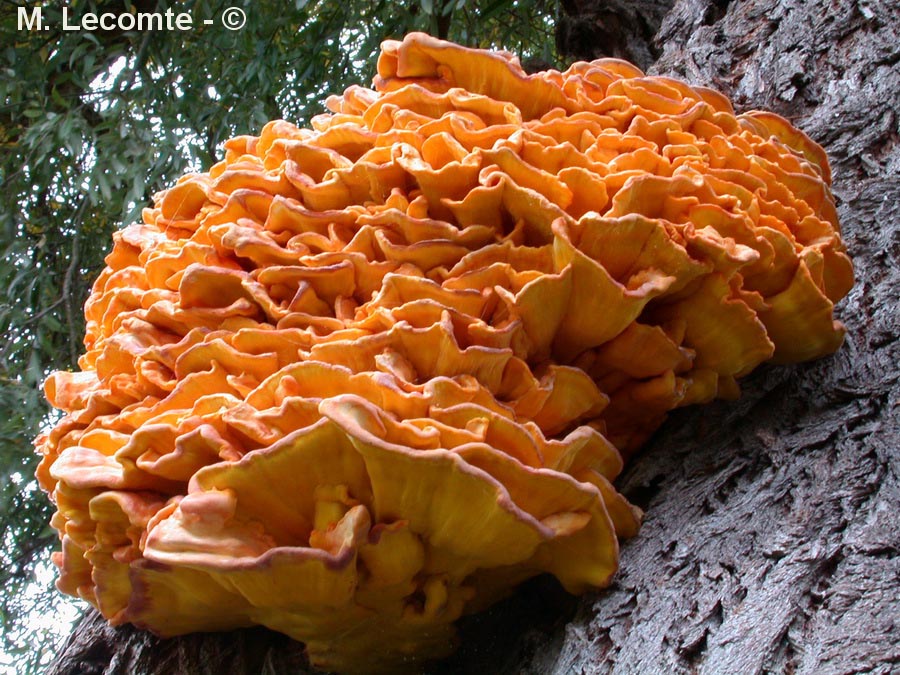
(362, 378)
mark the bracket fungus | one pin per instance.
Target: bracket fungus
(361, 378)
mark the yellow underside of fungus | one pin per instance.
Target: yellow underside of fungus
(362, 378)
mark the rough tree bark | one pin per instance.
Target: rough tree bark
(771, 537)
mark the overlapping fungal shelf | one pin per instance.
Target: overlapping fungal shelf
(363, 377)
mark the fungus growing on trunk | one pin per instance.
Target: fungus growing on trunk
(361, 378)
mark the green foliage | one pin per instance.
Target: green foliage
(93, 123)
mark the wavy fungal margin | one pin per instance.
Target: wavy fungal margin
(361, 378)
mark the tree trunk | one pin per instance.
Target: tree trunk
(771, 537)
